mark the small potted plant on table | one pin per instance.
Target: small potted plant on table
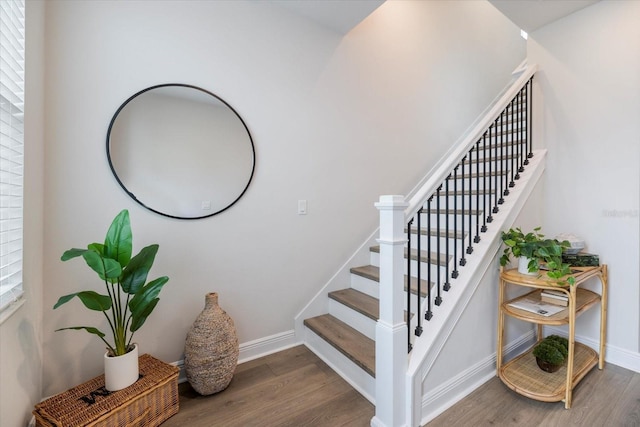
(551, 353)
(533, 250)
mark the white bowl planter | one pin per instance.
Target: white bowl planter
(121, 371)
(523, 266)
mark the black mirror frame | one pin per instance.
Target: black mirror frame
(130, 194)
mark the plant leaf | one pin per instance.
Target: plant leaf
(141, 317)
(135, 273)
(96, 247)
(92, 300)
(106, 268)
(63, 300)
(144, 298)
(118, 242)
(89, 329)
(72, 253)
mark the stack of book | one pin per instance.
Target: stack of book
(581, 259)
(554, 297)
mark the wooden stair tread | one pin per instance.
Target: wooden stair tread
(372, 272)
(424, 256)
(348, 341)
(360, 302)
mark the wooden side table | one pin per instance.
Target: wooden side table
(148, 402)
(522, 374)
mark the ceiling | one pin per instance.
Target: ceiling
(342, 15)
(533, 14)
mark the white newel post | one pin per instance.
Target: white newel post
(391, 330)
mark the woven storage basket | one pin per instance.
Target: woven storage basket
(148, 402)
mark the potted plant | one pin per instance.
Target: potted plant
(129, 299)
(551, 353)
(533, 250)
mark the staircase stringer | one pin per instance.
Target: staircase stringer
(428, 346)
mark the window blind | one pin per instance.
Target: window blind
(11, 150)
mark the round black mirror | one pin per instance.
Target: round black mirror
(180, 151)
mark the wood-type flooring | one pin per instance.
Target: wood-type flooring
(295, 388)
(289, 388)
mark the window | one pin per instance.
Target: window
(11, 153)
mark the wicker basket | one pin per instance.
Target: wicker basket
(148, 402)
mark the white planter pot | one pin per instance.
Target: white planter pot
(523, 266)
(121, 371)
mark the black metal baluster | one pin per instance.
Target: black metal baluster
(489, 191)
(496, 197)
(525, 124)
(521, 148)
(463, 260)
(429, 314)
(447, 285)
(418, 331)
(505, 145)
(476, 239)
(511, 143)
(408, 320)
(516, 134)
(438, 254)
(470, 247)
(454, 273)
(502, 157)
(484, 183)
(530, 116)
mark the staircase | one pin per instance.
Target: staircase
(452, 227)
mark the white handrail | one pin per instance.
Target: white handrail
(441, 171)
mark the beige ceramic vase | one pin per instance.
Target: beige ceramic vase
(211, 349)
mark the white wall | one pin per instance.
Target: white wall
(590, 80)
(336, 120)
(21, 334)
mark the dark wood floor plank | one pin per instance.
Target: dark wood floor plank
(295, 405)
(341, 410)
(628, 408)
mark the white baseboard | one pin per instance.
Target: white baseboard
(255, 349)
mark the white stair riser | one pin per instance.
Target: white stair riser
(359, 322)
(366, 286)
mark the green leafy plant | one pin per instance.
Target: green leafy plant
(129, 300)
(553, 349)
(539, 250)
